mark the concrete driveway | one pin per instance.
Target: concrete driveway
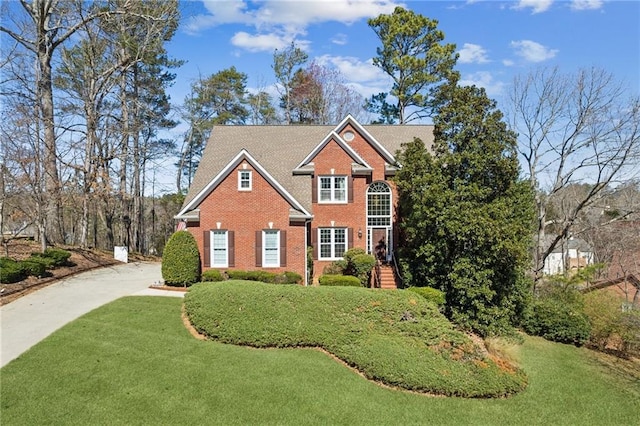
(29, 319)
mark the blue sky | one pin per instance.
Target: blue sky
(496, 40)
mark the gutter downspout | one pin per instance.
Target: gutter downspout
(306, 246)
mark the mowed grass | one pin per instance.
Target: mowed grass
(395, 337)
(133, 362)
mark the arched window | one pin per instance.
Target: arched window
(379, 204)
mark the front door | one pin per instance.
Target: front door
(379, 243)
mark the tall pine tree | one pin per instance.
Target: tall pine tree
(466, 215)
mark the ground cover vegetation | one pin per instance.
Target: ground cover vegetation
(398, 338)
(133, 362)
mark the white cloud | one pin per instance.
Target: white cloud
(339, 39)
(537, 6)
(472, 53)
(353, 69)
(508, 62)
(484, 79)
(292, 16)
(586, 4)
(532, 51)
(264, 42)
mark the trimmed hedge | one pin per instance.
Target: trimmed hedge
(212, 275)
(181, 260)
(339, 280)
(431, 294)
(265, 277)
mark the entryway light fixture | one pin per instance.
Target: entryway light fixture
(359, 232)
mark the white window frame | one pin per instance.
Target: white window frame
(218, 263)
(334, 255)
(275, 264)
(241, 180)
(333, 190)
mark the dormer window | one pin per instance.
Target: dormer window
(244, 180)
(332, 189)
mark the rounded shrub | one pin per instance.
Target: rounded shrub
(360, 266)
(339, 280)
(431, 294)
(212, 275)
(56, 257)
(33, 267)
(48, 262)
(181, 260)
(11, 271)
(558, 322)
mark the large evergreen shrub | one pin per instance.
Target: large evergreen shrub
(466, 214)
(181, 260)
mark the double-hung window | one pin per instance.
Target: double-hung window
(333, 243)
(270, 248)
(244, 180)
(332, 189)
(219, 249)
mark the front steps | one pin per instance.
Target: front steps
(387, 278)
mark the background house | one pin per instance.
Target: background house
(263, 194)
(568, 255)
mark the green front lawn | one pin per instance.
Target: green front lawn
(395, 337)
(133, 362)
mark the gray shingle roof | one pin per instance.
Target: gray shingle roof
(279, 149)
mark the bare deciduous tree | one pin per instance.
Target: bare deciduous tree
(575, 128)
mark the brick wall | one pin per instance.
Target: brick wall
(246, 212)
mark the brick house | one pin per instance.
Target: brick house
(263, 194)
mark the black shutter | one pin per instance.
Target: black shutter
(314, 189)
(259, 249)
(283, 248)
(349, 238)
(232, 248)
(314, 242)
(206, 235)
(350, 189)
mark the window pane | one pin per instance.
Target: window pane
(245, 180)
(341, 189)
(219, 248)
(270, 247)
(339, 238)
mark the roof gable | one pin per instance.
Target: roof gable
(280, 148)
(243, 155)
(332, 136)
(350, 121)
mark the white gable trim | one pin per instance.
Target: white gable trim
(221, 176)
(372, 141)
(333, 135)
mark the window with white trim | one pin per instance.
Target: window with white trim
(332, 242)
(244, 180)
(270, 248)
(332, 189)
(219, 249)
